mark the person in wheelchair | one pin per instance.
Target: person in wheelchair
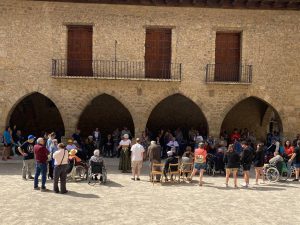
(96, 165)
(277, 160)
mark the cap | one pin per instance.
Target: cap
(31, 137)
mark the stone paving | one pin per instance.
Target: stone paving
(123, 201)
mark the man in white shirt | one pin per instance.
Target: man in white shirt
(137, 151)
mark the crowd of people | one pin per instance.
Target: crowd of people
(240, 149)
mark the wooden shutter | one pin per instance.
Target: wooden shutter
(80, 50)
(227, 56)
(158, 53)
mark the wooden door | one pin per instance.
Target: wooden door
(80, 50)
(227, 56)
(158, 53)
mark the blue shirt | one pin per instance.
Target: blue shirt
(7, 137)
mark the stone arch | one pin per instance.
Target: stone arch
(177, 110)
(169, 92)
(34, 113)
(106, 112)
(253, 113)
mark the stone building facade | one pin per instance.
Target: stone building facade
(32, 33)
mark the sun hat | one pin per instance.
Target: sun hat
(70, 141)
(73, 152)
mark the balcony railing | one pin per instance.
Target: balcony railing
(232, 73)
(105, 69)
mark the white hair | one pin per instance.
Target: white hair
(39, 140)
(97, 152)
(153, 142)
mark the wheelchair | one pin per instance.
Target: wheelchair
(77, 172)
(278, 171)
(211, 164)
(97, 173)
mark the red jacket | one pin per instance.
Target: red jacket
(41, 153)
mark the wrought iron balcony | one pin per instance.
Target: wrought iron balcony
(232, 73)
(104, 69)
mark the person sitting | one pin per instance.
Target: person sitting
(188, 155)
(170, 160)
(173, 144)
(70, 145)
(96, 158)
(73, 156)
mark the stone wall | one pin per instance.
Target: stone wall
(33, 33)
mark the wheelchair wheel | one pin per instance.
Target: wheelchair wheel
(80, 172)
(272, 174)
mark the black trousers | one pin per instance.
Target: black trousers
(60, 173)
(50, 172)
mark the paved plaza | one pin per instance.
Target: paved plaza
(123, 201)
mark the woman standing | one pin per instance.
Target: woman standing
(125, 162)
(288, 148)
(259, 158)
(232, 162)
(60, 169)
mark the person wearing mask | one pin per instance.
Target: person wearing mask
(232, 164)
(60, 169)
(258, 162)
(26, 150)
(246, 161)
(41, 157)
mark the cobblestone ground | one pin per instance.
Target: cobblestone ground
(123, 201)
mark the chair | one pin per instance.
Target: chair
(186, 169)
(174, 171)
(157, 169)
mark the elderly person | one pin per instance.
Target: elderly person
(170, 160)
(71, 145)
(60, 169)
(137, 152)
(153, 152)
(41, 157)
(26, 150)
(97, 159)
(125, 145)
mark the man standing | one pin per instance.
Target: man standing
(246, 160)
(8, 141)
(41, 156)
(60, 169)
(26, 150)
(296, 156)
(154, 157)
(76, 136)
(49, 142)
(137, 151)
(97, 137)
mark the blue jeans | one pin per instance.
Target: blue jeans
(40, 168)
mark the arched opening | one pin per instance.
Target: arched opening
(177, 111)
(255, 116)
(36, 114)
(106, 113)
